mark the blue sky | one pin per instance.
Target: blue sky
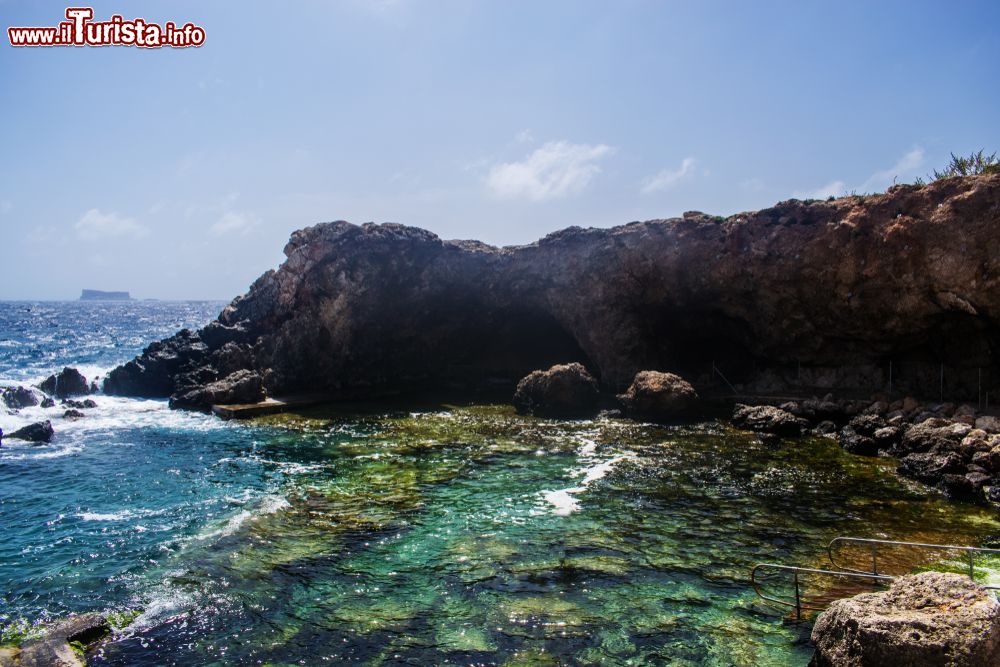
(181, 173)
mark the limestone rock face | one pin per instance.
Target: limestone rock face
(826, 290)
(565, 390)
(659, 397)
(923, 620)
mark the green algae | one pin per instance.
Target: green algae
(434, 537)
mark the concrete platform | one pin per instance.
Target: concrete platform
(270, 406)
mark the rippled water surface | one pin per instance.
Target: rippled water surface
(416, 534)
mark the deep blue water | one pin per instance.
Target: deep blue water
(86, 518)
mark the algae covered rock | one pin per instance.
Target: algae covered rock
(565, 390)
(659, 397)
(54, 650)
(926, 619)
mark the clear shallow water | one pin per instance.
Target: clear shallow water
(431, 535)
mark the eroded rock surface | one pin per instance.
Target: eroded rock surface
(565, 390)
(659, 397)
(924, 620)
(824, 293)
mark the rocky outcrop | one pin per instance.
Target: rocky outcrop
(68, 382)
(565, 390)
(924, 620)
(659, 397)
(37, 432)
(812, 294)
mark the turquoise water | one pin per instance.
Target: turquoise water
(416, 534)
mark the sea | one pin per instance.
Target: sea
(419, 532)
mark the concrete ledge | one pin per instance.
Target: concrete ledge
(270, 406)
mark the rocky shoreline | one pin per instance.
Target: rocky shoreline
(899, 291)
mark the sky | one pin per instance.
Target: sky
(180, 173)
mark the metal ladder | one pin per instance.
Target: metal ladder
(874, 576)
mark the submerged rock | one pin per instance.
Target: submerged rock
(47, 402)
(80, 405)
(767, 419)
(37, 432)
(18, 397)
(565, 390)
(924, 620)
(68, 382)
(659, 396)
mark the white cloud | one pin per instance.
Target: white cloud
(667, 178)
(831, 189)
(905, 166)
(555, 170)
(95, 225)
(525, 137)
(232, 222)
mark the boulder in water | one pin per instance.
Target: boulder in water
(659, 396)
(37, 432)
(564, 390)
(18, 397)
(923, 620)
(68, 382)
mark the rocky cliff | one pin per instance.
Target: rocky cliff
(817, 294)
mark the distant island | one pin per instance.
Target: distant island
(98, 295)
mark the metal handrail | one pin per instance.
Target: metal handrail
(799, 605)
(874, 544)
